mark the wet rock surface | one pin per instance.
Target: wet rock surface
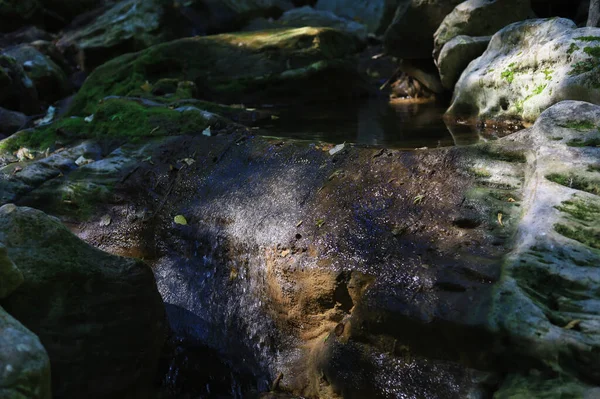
(25, 371)
(99, 316)
(298, 268)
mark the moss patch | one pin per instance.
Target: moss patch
(595, 142)
(588, 237)
(115, 118)
(572, 48)
(593, 51)
(584, 211)
(224, 67)
(579, 125)
(576, 182)
(509, 73)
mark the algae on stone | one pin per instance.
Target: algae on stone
(233, 67)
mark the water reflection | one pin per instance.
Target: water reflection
(373, 122)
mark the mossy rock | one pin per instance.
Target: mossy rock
(114, 119)
(245, 67)
(99, 316)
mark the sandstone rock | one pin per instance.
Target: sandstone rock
(24, 363)
(376, 15)
(99, 316)
(479, 18)
(410, 33)
(456, 56)
(49, 79)
(10, 276)
(263, 66)
(308, 16)
(527, 67)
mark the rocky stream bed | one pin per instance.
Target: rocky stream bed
(277, 199)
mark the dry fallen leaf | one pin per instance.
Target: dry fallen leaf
(572, 324)
(147, 87)
(299, 223)
(105, 220)
(285, 253)
(500, 219)
(511, 200)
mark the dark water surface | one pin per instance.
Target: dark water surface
(373, 122)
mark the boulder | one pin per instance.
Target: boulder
(265, 66)
(456, 56)
(51, 14)
(99, 316)
(10, 276)
(547, 300)
(24, 363)
(15, 13)
(479, 18)
(527, 67)
(49, 79)
(308, 16)
(17, 90)
(127, 26)
(254, 6)
(24, 35)
(411, 31)
(376, 15)
(11, 121)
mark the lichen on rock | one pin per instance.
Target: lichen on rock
(527, 67)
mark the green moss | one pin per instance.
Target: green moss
(227, 67)
(595, 142)
(547, 74)
(584, 211)
(539, 89)
(509, 75)
(481, 172)
(593, 51)
(579, 125)
(572, 48)
(593, 168)
(576, 182)
(502, 154)
(588, 38)
(115, 118)
(123, 118)
(583, 66)
(45, 137)
(589, 237)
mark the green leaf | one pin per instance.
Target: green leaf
(180, 219)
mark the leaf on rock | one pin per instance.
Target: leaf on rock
(337, 149)
(105, 220)
(180, 219)
(147, 87)
(500, 219)
(572, 324)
